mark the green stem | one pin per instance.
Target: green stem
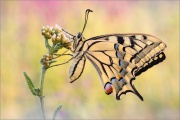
(41, 97)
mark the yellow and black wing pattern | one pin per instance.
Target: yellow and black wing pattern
(118, 58)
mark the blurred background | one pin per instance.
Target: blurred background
(22, 47)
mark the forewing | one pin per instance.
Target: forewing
(143, 50)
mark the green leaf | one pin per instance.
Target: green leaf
(56, 111)
(57, 47)
(30, 84)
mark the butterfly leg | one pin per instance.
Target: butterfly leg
(59, 55)
(62, 63)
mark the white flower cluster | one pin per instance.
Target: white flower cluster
(57, 35)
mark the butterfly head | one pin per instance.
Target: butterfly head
(78, 40)
(79, 35)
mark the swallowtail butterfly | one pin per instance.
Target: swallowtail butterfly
(118, 58)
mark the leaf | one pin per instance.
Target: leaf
(57, 47)
(56, 111)
(30, 84)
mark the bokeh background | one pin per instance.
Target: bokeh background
(22, 47)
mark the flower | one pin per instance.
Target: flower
(57, 29)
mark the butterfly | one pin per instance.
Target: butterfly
(118, 58)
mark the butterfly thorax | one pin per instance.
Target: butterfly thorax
(78, 43)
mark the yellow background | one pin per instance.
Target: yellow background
(22, 47)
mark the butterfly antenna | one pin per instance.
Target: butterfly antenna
(68, 33)
(86, 18)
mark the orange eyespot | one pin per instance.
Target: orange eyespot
(108, 88)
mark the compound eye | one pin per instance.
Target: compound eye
(79, 35)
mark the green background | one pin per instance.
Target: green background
(22, 47)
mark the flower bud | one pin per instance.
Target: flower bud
(50, 57)
(47, 64)
(58, 38)
(47, 34)
(43, 32)
(63, 36)
(51, 32)
(47, 28)
(43, 28)
(65, 40)
(54, 38)
(57, 29)
(68, 45)
(44, 56)
(47, 59)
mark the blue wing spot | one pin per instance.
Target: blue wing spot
(113, 79)
(117, 55)
(123, 72)
(120, 63)
(120, 54)
(116, 46)
(121, 80)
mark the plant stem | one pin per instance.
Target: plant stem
(41, 97)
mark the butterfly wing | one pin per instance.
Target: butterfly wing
(77, 67)
(141, 48)
(119, 58)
